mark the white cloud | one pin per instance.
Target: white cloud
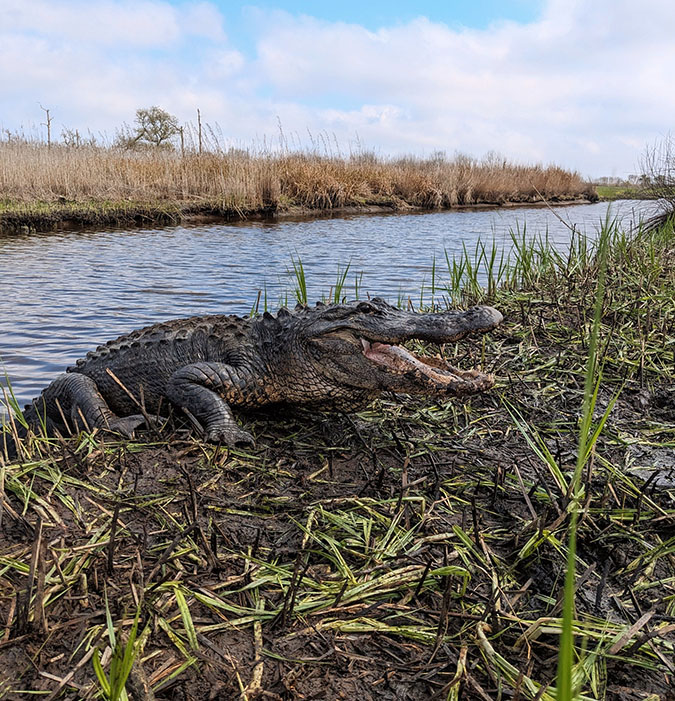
(583, 74)
(125, 23)
(224, 63)
(202, 19)
(94, 63)
(585, 86)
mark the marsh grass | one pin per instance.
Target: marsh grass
(418, 549)
(123, 655)
(568, 682)
(587, 441)
(336, 293)
(97, 184)
(300, 286)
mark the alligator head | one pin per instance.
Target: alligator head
(358, 345)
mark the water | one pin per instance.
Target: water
(64, 293)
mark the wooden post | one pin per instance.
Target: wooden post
(199, 129)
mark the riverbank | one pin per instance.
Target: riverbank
(27, 218)
(412, 550)
(95, 186)
(609, 193)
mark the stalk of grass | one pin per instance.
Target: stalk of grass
(10, 403)
(300, 288)
(493, 276)
(566, 690)
(456, 273)
(340, 280)
(422, 291)
(358, 282)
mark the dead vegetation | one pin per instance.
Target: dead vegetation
(95, 184)
(414, 551)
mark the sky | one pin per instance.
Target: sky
(585, 84)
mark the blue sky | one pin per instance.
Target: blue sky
(587, 85)
(377, 13)
(373, 14)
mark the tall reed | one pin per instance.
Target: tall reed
(260, 178)
(566, 690)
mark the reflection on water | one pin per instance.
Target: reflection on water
(64, 293)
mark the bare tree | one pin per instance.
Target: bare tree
(48, 124)
(658, 171)
(199, 124)
(73, 139)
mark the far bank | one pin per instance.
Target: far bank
(44, 188)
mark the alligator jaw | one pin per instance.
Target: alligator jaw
(441, 374)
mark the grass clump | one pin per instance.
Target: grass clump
(415, 550)
(122, 660)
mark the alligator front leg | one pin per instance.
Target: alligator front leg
(73, 402)
(205, 389)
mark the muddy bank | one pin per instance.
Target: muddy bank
(63, 215)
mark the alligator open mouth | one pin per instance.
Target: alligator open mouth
(398, 359)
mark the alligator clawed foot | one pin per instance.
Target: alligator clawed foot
(125, 425)
(234, 437)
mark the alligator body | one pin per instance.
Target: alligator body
(327, 356)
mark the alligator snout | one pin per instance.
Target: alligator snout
(445, 327)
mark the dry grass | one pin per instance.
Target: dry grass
(66, 179)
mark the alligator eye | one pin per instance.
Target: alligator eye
(366, 308)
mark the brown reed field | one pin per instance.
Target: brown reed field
(41, 186)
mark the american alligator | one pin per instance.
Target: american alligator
(327, 356)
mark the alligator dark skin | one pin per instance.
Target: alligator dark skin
(328, 356)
